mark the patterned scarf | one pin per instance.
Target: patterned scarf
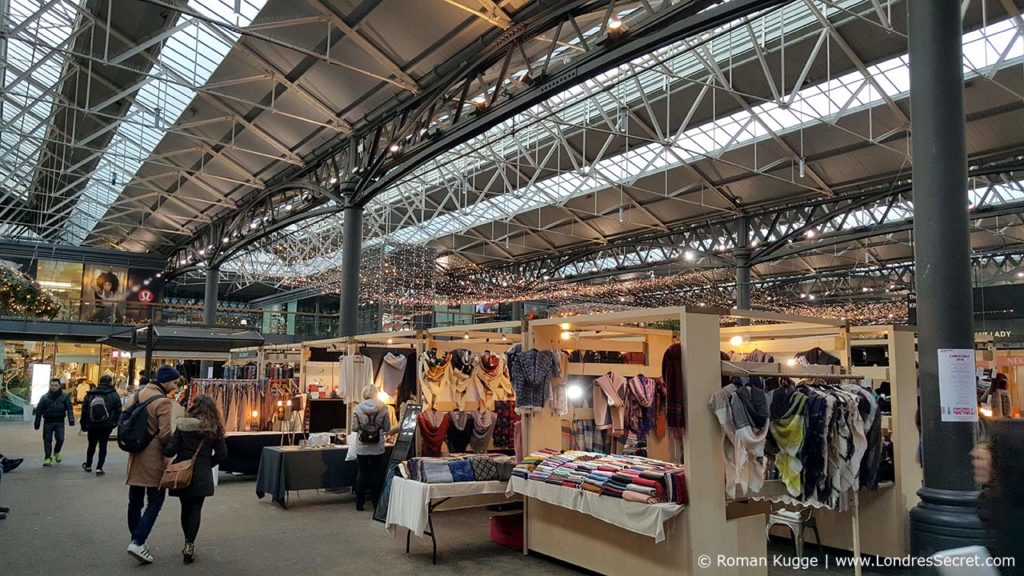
(640, 406)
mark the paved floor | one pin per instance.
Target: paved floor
(65, 521)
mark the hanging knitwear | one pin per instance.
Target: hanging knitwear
(433, 427)
(407, 389)
(483, 431)
(505, 416)
(531, 372)
(610, 403)
(672, 372)
(460, 431)
(788, 433)
(391, 373)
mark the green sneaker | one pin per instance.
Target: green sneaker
(47, 462)
(58, 456)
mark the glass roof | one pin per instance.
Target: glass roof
(189, 57)
(823, 102)
(30, 78)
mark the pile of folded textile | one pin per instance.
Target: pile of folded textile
(632, 478)
(472, 468)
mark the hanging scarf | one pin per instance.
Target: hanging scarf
(460, 431)
(639, 406)
(492, 378)
(660, 408)
(460, 375)
(433, 373)
(483, 430)
(432, 434)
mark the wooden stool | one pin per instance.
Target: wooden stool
(797, 522)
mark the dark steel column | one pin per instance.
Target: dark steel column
(148, 367)
(742, 254)
(946, 517)
(210, 297)
(351, 252)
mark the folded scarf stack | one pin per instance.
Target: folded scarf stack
(477, 467)
(632, 478)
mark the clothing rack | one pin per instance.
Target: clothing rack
(855, 499)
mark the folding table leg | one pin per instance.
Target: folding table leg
(433, 537)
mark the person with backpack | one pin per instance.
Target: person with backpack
(51, 411)
(143, 430)
(372, 422)
(100, 412)
(199, 437)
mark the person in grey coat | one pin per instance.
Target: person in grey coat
(372, 422)
(200, 431)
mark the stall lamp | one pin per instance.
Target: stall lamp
(279, 404)
(465, 335)
(383, 396)
(736, 340)
(985, 410)
(288, 403)
(566, 335)
(574, 392)
(565, 326)
(791, 362)
(255, 413)
(391, 340)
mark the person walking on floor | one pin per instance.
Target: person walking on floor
(146, 468)
(53, 407)
(372, 423)
(100, 411)
(200, 434)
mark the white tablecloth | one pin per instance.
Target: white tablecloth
(410, 500)
(646, 519)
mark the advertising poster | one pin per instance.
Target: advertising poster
(104, 292)
(957, 389)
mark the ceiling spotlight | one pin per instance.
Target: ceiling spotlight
(287, 207)
(255, 224)
(158, 274)
(480, 102)
(810, 233)
(1020, 274)
(689, 256)
(334, 180)
(225, 239)
(802, 295)
(810, 296)
(615, 28)
(202, 252)
(614, 24)
(394, 148)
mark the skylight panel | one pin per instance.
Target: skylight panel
(190, 55)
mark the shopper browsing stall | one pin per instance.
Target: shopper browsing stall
(371, 424)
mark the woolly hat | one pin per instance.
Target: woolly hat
(166, 373)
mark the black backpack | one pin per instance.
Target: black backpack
(369, 435)
(133, 426)
(98, 411)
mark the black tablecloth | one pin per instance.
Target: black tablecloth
(246, 448)
(286, 468)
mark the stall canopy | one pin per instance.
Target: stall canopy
(184, 339)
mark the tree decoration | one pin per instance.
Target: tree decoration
(22, 296)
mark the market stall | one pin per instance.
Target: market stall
(605, 541)
(285, 469)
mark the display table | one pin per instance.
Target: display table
(413, 503)
(246, 448)
(645, 519)
(285, 469)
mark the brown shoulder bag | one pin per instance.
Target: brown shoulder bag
(178, 475)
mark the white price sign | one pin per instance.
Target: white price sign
(957, 395)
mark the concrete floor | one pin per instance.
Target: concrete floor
(64, 521)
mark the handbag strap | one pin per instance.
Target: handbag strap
(198, 450)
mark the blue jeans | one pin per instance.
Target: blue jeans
(53, 432)
(140, 523)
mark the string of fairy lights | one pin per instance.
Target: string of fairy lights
(406, 281)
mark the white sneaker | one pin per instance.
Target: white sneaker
(140, 552)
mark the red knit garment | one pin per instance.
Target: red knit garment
(432, 437)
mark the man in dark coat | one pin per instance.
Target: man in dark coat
(51, 410)
(100, 411)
